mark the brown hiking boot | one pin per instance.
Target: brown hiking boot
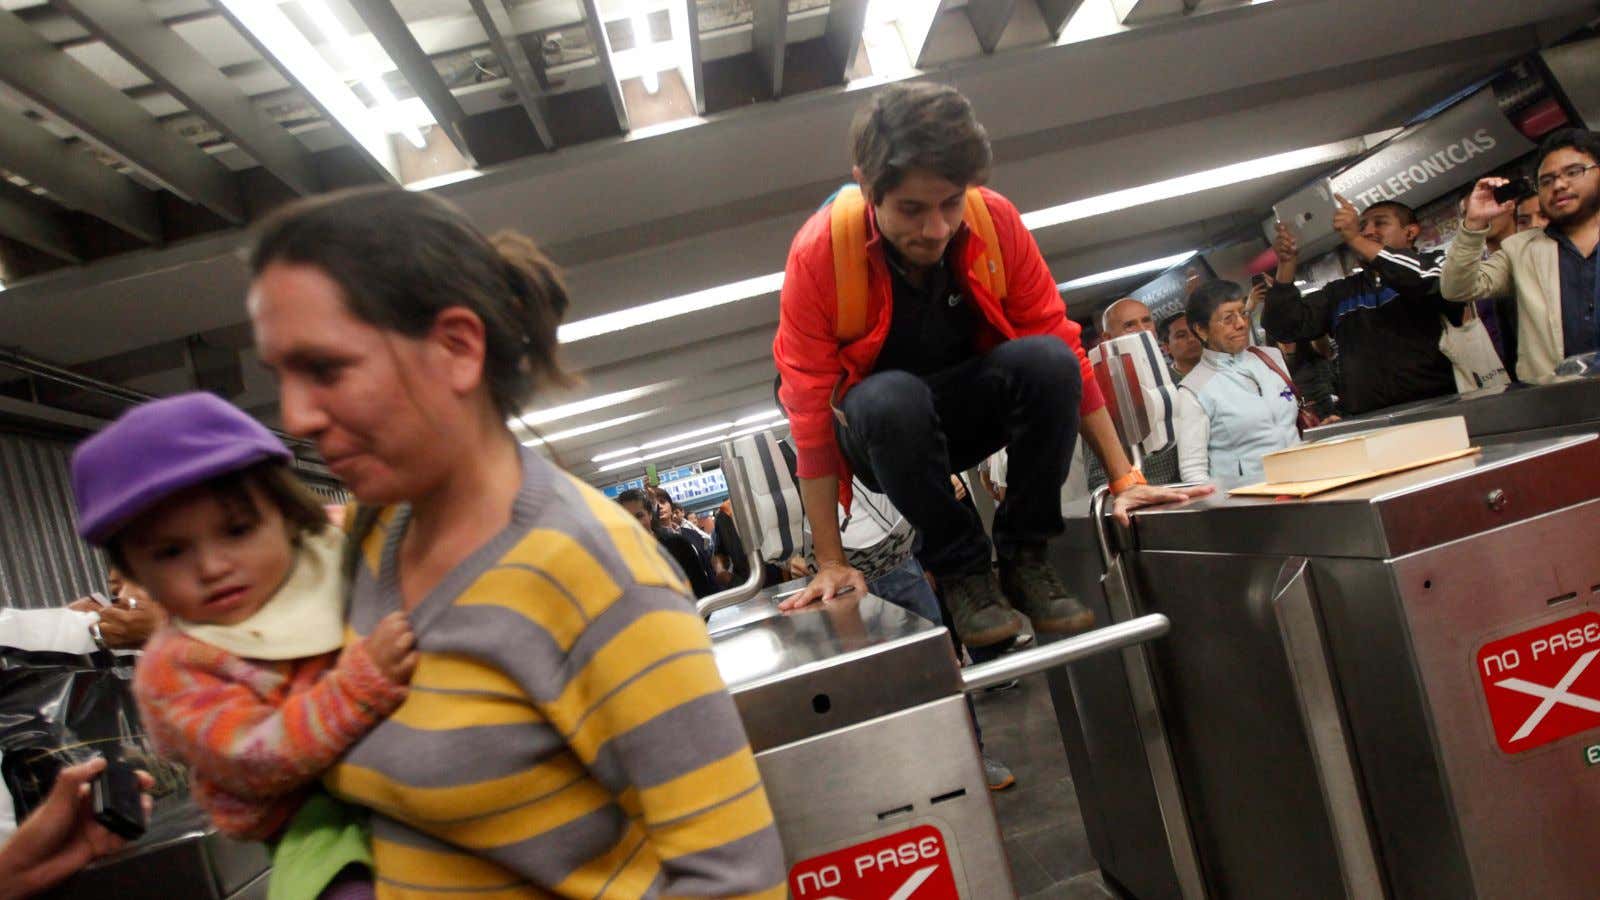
(1035, 588)
(979, 610)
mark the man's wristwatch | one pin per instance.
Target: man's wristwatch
(99, 640)
(1133, 477)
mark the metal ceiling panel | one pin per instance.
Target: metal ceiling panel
(36, 222)
(843, 34)
(496, 21)
(75, 178)
(989, 20)
(181, 70)
(770, 37)
(602, 51)
(49, 77)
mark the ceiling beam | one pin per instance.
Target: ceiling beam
(35, 221)
(697, 57)
(846, 18)
(496, 21)
(169, 61)
(69, 91)
(1056, 14)
(602, 56)
(770, 36)
(401, 45)
(75, 179)
(989, 20)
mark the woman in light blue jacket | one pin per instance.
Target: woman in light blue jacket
(1233, 408)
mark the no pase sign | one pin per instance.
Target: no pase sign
(908, 865)
(1544, 683)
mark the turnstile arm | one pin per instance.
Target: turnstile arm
(733, 596)
(1072, 649)
(742, 496)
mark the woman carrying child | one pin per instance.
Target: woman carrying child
(566, 733)
(251, 685)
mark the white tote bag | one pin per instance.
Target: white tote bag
(1472, 355)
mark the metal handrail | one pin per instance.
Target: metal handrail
(1097, 516)
(733, 596)
(1066, 650)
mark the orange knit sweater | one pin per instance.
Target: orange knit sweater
(256, 733)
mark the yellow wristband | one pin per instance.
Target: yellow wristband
(1133, 477)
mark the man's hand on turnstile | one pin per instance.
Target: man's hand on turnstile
(1154, 495)
(832, 578)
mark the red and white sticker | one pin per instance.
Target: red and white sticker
(907, 865)
(1543, 684)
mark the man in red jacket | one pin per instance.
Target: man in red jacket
(962, 349)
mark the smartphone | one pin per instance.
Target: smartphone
(1511, 190)
(1258, 278)
(117, 801)
(99, 598)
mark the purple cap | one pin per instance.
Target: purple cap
(158, 449)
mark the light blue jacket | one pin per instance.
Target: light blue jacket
(1232, 410)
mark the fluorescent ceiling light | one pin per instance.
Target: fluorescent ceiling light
(670, 451)
(280, 38)
(578, 407)
(1153, 265)
(334, 33)
(669, 308)
(683, 436)
(686, 435)
(590, 428)
(1193, 183)
(760, 416)
(662, 442)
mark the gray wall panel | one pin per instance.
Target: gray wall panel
(43, 563)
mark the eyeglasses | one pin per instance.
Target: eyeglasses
(1232, 318)
(1569, 174)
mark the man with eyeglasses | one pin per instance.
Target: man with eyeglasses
(1553, 271)
(1384, 317)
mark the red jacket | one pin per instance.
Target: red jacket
(812, 362)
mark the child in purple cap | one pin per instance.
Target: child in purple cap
(247, 685)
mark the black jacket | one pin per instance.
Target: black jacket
(682, 552)
(1386, 322)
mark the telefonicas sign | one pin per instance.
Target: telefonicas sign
(1431, 159)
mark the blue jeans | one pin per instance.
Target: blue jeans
(906, 434)
(905, 587)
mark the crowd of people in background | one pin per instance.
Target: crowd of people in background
(1513, 296)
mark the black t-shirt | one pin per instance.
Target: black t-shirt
(933, 327)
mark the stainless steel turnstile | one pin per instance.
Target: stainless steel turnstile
(1380, 692)
(855, 711)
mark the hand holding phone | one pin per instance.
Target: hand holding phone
(117, 800)
(1512, 190)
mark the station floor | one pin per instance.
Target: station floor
(1039, 818)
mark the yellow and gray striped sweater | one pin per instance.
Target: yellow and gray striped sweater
(567, 733)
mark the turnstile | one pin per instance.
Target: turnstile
(1385, 691)
(855, 711)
